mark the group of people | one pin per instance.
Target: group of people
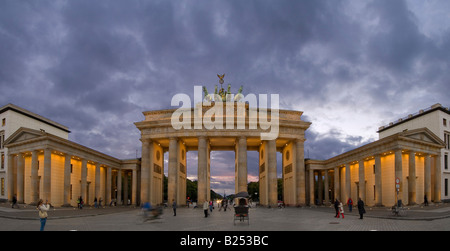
(339, 207)
(210, 206)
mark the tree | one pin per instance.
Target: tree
(253, 190)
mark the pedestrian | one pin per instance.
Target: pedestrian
(43, 208)
(211, 206)
(14, 201)
(425, 200)
(95, 203)
(336, 208)
(350, 204)
(174, 206)
(205, 208)
(341, 209)
(361, 209)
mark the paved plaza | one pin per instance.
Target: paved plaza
(418, 218)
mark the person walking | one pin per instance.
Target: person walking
(43, 208)
(341, 209)
(205, 208)
(336, 208)
(174, 206)
(14, 201)
(211, 205)
(350, 204)
(361, 209)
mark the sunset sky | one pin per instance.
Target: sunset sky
(350, 65)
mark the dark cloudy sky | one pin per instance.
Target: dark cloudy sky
(350, 65)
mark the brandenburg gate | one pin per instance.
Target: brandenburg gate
(222, 122)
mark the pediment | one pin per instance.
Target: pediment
(423, 134)
(23, 134)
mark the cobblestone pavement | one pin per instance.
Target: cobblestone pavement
(261, 219)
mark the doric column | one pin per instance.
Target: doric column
(319, 187)
(134, 187)
(108, 185)
(348, 183)
(242, 164)
(378, 183)
(202, 170)
(173, 170)
(300, 172)
(311, 187)
(84, 180)
(362, 181)
(20, 178)
(97, 180)
(337, 185)
(10, 182)
(34, 188)
(47, 175)
(125, 188)
(412, 178)
(119, 187)
(399, 171)
(67, 165)
(272, 173)
(145, 170)
(428, 176)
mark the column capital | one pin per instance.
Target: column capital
(299, 140)
(146, 141)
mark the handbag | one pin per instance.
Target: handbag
(42, 214)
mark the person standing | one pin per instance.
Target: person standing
(361, 209)
(350, 204)
(43, 208)
(174, 206)
(336, 208)
(205, 208)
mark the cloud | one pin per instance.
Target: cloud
(351, 66)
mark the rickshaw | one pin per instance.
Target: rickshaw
(241, 207)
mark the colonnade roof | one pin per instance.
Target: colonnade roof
(26, 140)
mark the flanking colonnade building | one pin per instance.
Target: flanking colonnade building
(39, 162)
(409, 162)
